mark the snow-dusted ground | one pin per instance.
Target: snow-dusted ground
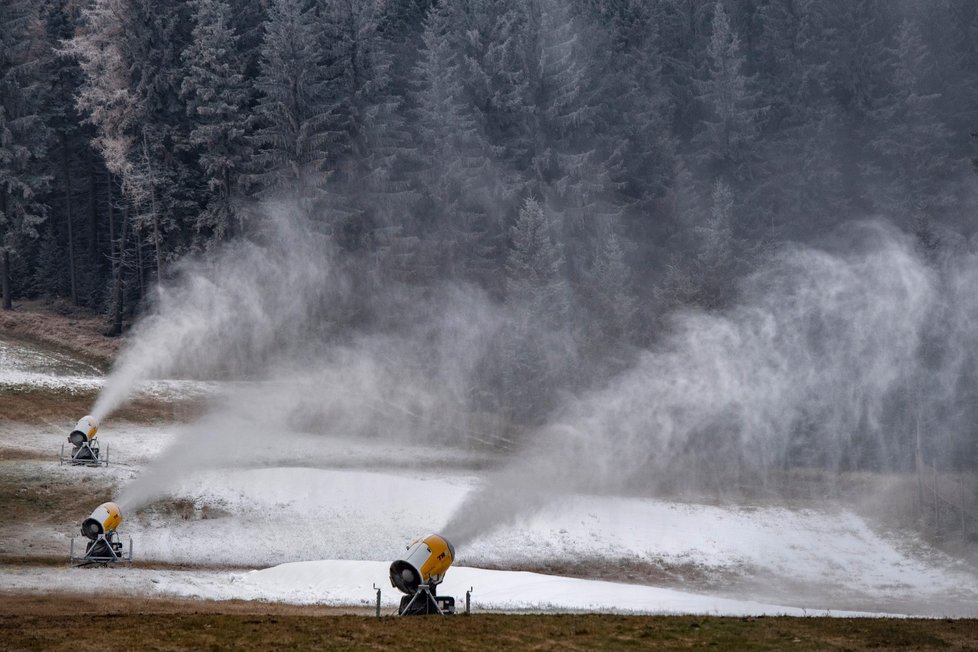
(777, 560)
(23, 365)
(328, 515)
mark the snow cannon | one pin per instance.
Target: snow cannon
(104, 545)
(104, 519)
(419, 572)
(85, 447)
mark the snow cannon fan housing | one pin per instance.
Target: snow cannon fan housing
(104, 519)
(85, 431)
(426, 562)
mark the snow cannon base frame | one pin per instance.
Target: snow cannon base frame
(86, 454)
(103, 550)
(424, 602)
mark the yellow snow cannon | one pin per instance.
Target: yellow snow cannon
(85, 447)
(104, 545)
(419, 572)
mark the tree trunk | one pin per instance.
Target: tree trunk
(5, 280)
(139, 263)
(156, 215)
(118, 297)
(5, 261)
(71, 233)
(93, 214)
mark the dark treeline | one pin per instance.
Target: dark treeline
(610, 159)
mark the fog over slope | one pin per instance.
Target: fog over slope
(827, 361)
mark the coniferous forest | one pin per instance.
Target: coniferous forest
(599, 162)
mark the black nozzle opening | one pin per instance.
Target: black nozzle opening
(405, 577)
(91, 528)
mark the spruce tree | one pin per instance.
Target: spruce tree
(23, 135)
(291, 138)
(538, 350)
(218, 97)
(912, 140)
(453, 158)
(728, 143)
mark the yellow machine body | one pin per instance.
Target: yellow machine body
(104, 519)
(426, 562)
(85, 430)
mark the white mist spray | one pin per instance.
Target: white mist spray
(820, 338)
(223, 317)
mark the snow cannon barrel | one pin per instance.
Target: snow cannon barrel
(104, 519)
(426, 562)
(85, 431)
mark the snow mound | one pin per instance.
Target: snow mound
(338, 582)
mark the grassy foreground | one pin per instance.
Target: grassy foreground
(32, 622)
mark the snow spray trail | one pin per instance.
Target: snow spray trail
(822, 341)
(225, 316)
(409, 386)
(267, 313)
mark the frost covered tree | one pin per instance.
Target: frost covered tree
(23, 134)
(369, 188)
(912, 141)
(534, 267)
(705, 276)
(615, 301)
(291, 139)
(218, 100)
(728, 141)
(574, 156)
(538, 348)
(801, 180)
(130, 54)
(454, 170)
(75, 223)
(714, 265)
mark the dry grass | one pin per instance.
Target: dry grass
(66, 622)
(58, 325)
(27, 499)
(32, 405)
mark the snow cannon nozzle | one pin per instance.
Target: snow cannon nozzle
(104, 519)
(418, 573)
(85, 431)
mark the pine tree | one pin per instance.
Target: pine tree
(130, 53)
(616, 305)
(23, 135)
(74, 212)
(534, 269)
(706, 279)
(573, 155)
(729, 140)
(291, 140)
(537, 350)
(801, 185)
(453, 155)
(912, 140)
(370, 191)
(218, 97)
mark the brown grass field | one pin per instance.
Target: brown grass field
(63, 327)
(78, 623)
